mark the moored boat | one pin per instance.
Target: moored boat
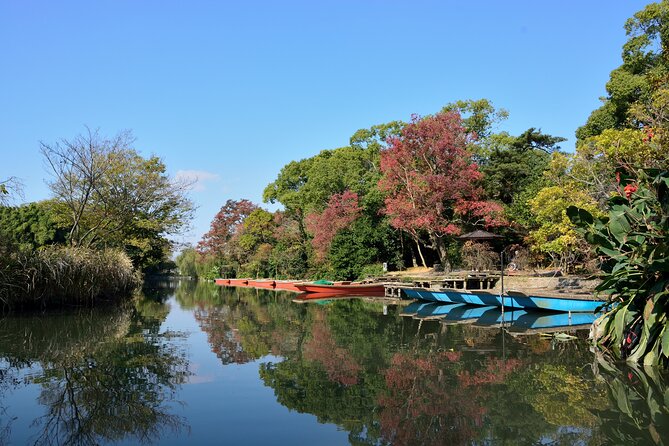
(286, 285)
(358, 289)
(261, 283)
(222, 281)
(512, 300)
(239, 282)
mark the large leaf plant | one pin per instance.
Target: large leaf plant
(633, 244)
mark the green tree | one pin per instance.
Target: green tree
(643, 70)
(186, 262)
(556, 236)
(31, 226)
(513, 167)
(111, 196)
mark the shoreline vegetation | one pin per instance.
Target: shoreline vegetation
(65, 276)
(398, 195)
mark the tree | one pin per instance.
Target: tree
(643, 71)
(112, 196)
(342, 210)
(9, 186)
(512, 168)
(226, 223)
(186, 262)
(556, 236)
(432, 184)
(31, 226)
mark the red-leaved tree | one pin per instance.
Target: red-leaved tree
(225, 225)
(432, 184)
(341, 211)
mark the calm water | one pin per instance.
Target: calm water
(209, 365)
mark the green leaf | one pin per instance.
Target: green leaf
(665, 342)
(579, 217)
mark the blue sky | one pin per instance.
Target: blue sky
(232, 91)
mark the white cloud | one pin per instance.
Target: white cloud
(198, 178)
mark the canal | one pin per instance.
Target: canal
(201, 364)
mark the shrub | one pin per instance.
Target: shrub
(65, 276)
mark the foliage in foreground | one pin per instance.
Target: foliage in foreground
(633, 241)
(64, 276)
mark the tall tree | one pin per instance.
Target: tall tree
(342, 210)
(512, 168)
(643, 71)
(432, 184)
(112, 196)
(226, 223)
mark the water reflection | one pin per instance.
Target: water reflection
(382, 374)
(398, 380)
(103, 375)
(639, 403)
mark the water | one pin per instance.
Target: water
(209, 365)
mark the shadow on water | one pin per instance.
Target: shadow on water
(103, 375)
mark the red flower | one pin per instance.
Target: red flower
(630, 189)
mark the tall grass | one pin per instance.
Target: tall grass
(63, 276)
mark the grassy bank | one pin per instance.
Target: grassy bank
(56, 277)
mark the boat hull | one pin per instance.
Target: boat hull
(513, 301)
(286, 286)
(239, 282)
(269, 284)
(357, 290)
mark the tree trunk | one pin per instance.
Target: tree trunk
(420, 253)
(442, 251)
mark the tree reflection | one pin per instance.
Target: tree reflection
(242, 324)
(107, 374)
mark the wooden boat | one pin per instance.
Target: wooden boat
(357, 289)
(513, 299)
(222, 281)
(239, 282)
(262, 283)
(286, 285)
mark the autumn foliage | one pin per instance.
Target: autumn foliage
(341, 211)
(225, 225)
(431, 182)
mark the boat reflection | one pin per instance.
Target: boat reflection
(514, 320)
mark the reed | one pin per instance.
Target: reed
(65, 276)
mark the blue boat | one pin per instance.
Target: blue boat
(512, 300)
(540, 320)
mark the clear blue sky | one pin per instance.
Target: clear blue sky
(235, 90)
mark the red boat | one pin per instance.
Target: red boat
(287, 285)
(261, 283)
(354, 289)
(222, 281)
(239, 282)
